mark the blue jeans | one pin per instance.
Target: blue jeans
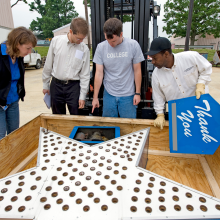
(9, 119)
(114, 106)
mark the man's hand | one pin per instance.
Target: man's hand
(81, 103)
(46, 91)
(95, 104)
(200, 90)
(136, 100)
(159, 121)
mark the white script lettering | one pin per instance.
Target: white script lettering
(184, 116)
(201, 114)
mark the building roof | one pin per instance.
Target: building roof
(60, 28)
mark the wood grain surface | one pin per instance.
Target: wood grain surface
(186, 171)
(18, 145)
(214, 164)
(210, 177)
(32, 164)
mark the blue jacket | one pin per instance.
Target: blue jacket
(5, 78)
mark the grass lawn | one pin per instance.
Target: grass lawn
(91, 54)
(43, 51)
(210, 52)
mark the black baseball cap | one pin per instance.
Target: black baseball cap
(159, 44)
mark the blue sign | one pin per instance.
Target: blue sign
(194, 125)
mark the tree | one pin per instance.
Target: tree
(54, 14)
(17, 2)
(205, 18)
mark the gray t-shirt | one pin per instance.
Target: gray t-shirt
(118, 65)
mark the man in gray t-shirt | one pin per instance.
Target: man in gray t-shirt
(118, 59)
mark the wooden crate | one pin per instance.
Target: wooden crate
(18, 151)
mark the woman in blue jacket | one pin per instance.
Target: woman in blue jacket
(19, 43)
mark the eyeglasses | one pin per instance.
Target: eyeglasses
(79, 39)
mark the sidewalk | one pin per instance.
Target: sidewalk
(34, 105)
(214, 85)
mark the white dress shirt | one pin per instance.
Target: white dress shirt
(179, 81)
(67, 61)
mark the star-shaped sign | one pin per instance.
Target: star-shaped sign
(73, 180)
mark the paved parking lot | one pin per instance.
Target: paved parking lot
(34, 105)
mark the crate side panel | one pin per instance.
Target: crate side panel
(18, 145)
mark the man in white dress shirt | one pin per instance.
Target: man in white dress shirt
(176, 76)
(67, 63)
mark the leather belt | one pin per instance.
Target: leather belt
(64, 81)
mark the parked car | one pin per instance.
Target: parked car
(43, 43)
(33, 59)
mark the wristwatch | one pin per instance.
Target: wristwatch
(137, 93)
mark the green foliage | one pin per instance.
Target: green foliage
(54, 14)
(205, 18)
(127, 18)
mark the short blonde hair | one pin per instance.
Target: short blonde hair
(20, 35)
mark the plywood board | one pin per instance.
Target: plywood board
(188, 172)
(18, 145)
(214, 164)
(209, 175)
(24, 163)
(168, 154)
(32, 164)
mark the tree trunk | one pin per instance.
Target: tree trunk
(193, 37)
(86, 13)
(189, 25)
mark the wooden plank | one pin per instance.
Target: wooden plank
(32, 163)
(214, 164)
(99, 119)
(186, 171)
(43, 122)
(24, 163)
(18, 145)
(168, 154)
(144, 157)
(62, 124)
(210, 177)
